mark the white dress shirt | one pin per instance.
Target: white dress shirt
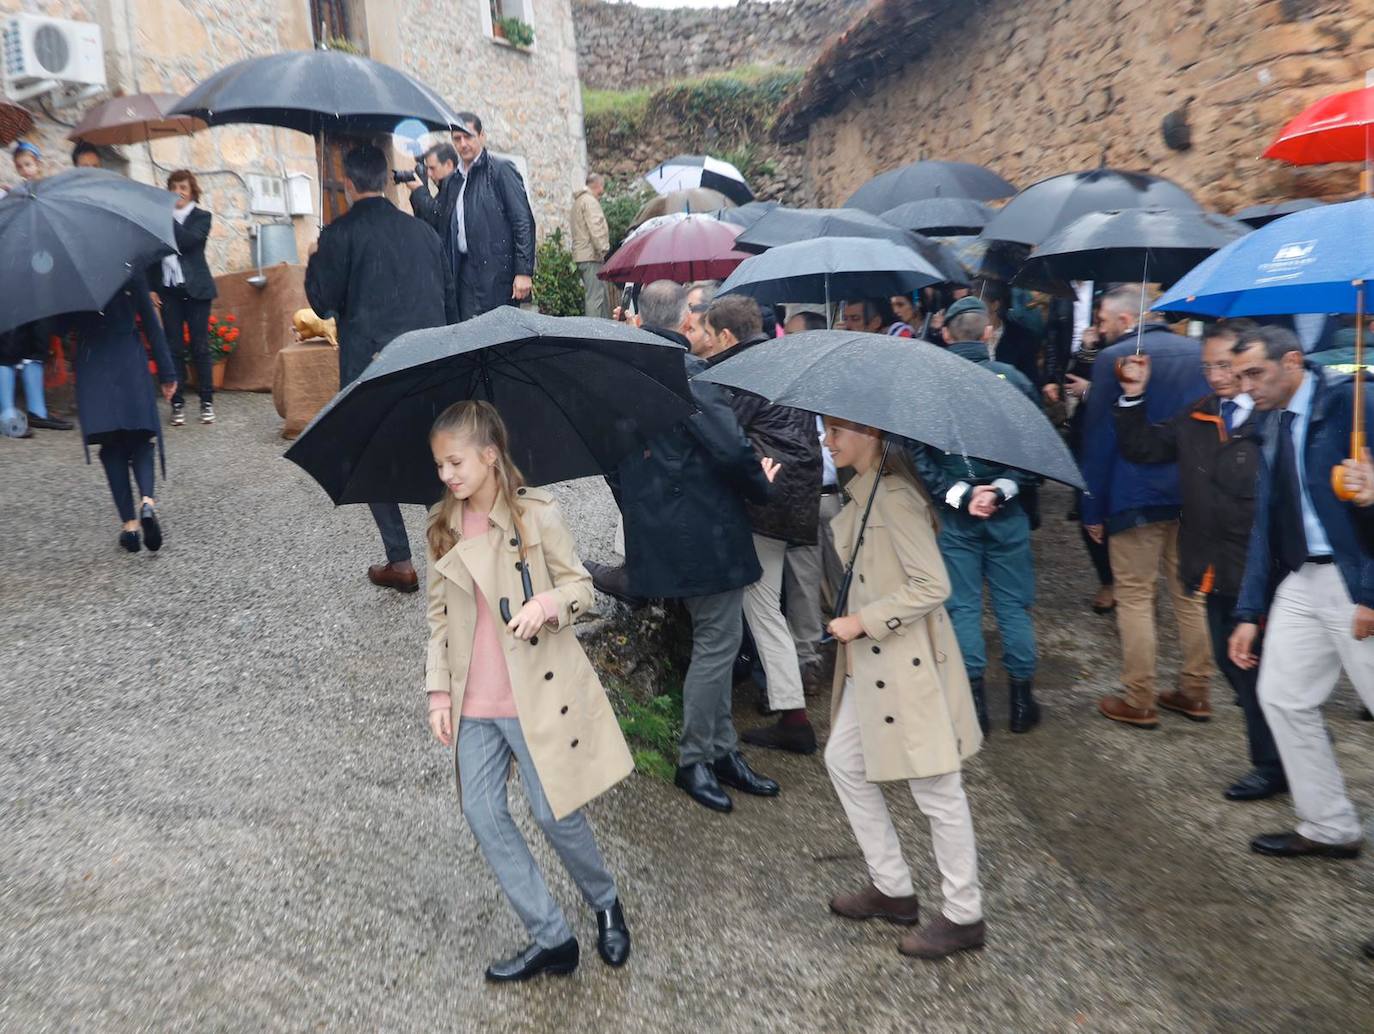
(1300, 405)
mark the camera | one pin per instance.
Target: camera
(414, 175)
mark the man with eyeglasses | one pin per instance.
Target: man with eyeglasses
(1216, 444)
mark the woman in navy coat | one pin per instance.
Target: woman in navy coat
(117, 405)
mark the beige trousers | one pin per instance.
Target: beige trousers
(1139, 556)
(763, 609)
(941, 800)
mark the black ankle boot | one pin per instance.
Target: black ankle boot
(980, 704)
(1025, 712)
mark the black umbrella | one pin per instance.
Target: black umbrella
(790, 225)
(1045, 208)
(577, 395)
(918, 391)
(70, 241)
(689, 171)
(1151, 245)
(940, 216)
(745, 215)
(1258, 215)
(831, 267)
(927, 179)
(315, 92)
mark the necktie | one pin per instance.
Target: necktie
(1292, 539)
(1228, 413)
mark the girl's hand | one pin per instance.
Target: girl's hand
(846, 629)
(770, 468)
(441, 724)
(529, 621)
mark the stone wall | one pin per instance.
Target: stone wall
(621, 46)
(1058, 85)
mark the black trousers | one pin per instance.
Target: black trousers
(1264, 755)
(180, 313)
(393, 528)
(119, 451)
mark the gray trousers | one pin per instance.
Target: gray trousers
(594, 290)
(708, 730)
(485, 748)
(832, 570)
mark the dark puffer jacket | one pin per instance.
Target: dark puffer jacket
(789, 436)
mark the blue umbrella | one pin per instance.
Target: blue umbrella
(1312, 261)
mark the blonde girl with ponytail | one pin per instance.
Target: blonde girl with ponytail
(518, 695)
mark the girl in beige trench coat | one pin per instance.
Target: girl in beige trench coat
(519, 694)
(901, 707)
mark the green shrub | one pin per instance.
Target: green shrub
(557, 281)
(518, 33)
(621, 205)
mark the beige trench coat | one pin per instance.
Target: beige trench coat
(573, 736)
(916, 716)
(591, 236)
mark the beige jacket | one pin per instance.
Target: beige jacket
(591, 237)
(916, 715)
(573, 736)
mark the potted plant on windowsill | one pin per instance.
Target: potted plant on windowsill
(514, 31)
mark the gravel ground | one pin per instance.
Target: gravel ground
(222, 813)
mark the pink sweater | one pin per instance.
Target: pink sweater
(488, 692)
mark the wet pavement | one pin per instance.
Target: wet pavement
(222, 811)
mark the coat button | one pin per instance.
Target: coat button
(882, 684)
(519, 491)
(515, 542)
(548, 676)
(517, 565)
(861, 577)
(877, 649)
(916, 662)
(889, 719)
(563, 709)
(574, 743)
(534, 640)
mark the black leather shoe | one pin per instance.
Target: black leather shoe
(732, 770)
(559, 961)
(1025, 712)
(614, 582)
(612, 936)
(152, 528)
(1255, 786)
(699, 783)
(797, 739)
(1295, 845)
(130, 541)
(980, 704)
(49, 423)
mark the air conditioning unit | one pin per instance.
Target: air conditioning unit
(42, 55)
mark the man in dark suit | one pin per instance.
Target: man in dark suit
(381, 273)
(489, 234)
(441, 161)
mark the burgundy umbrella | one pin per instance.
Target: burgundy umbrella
(14, 123)
(134, 119)
(694, 248)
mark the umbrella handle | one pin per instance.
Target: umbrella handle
(1357, 436)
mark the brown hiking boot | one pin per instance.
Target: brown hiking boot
(1177, 700)
(1116, 708)
(940, 938)
(871, 903)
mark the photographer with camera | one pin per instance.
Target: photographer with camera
(438, 165)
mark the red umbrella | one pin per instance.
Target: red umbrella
(695, 248)
(1335, 129)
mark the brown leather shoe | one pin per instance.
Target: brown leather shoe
(400, 576)
(1116, 708)
(871, 903)
(940, 938)
(1105, 600)
(1178, 701)
(1295, 845)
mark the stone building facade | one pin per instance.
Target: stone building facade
(621, 46)
(528, 98)
(1038, 87)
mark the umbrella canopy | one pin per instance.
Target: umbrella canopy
(831, 267)
(688, 171)
(655, 223)
(316, 91)
(997, 260)
(70, 241)
(745, 215)
(1045, 208)
(1312, 261)
(14, 123)
(1335, 129)
(917, 391)
(696, 200)
(135, 119)
(940, 216)
(577, 395)
(1154, 245)
(694, 248)
(1261, 215)
(793, 225)
(926, 179)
